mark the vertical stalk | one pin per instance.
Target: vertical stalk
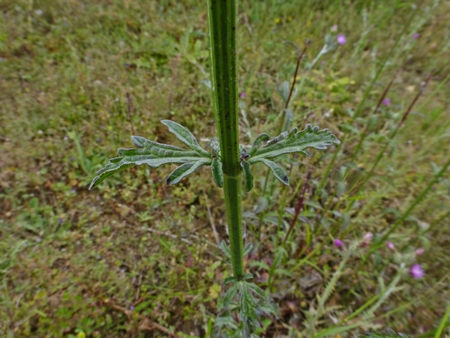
(222, 33)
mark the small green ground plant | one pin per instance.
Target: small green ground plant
(230, 163)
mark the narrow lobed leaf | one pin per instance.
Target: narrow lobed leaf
(256, 289)
(310, 137)
(248, 176)
(153, 154)
(277, 171)
(225, 249)
(185, 136)
(184, 170)
(258, 141)
(277, 139)
(248, 248)
(247, 276)
(104, 173)
(216, 167)
(229, 280)
(231, 293)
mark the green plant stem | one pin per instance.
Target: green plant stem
(443, 323)
(232, 191)
(222, 27)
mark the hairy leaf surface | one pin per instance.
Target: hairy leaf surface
(184, 170)
(277, 171)
(185, 136)
(294, 142)
(248, 176)
(217, 172)
(155, 154)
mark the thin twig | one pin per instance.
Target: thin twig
(299, 208)
(294, 79)
(363, 134)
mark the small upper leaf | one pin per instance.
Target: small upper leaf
(185, 136)
(258, 141)
(248, 247)
(216, 167)
(225, 249)
(248, 176)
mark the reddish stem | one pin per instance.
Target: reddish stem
(299, 208)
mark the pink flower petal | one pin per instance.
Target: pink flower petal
(341, 39)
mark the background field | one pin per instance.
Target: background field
(135, 258)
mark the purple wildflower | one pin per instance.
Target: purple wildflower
(131, 307)
(368, 237)
(387, 102)
(390, 245)
(417, 271)
(243, 95)
(341, 39)
(416, 35)
(420, 251)
(338, 243)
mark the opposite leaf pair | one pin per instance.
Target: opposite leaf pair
(155, 154)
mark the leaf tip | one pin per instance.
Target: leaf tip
(93, 185)
(166, 122)
(137, 140)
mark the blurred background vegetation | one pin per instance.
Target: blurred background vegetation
(135, 258)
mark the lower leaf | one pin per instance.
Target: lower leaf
(182, 171)
(277, 171)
